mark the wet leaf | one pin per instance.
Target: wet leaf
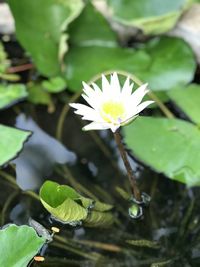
(10, 94)
(39, 26)
(54, 85)
(169, 146)
(59, 201)
(151, 16)
(100, 206)
(11, 144)
(18, 245)
(188, 100)
(96, 218)
(67, 206)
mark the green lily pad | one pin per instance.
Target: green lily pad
(18, 245)
(162, 62)
(68, 206)
(149, 63)
(37, 95)
(151, 16)
(91, 28)
(54, 85)
(169, 146)
(11, 144)
(39, 28)
(10, 94)
(188, 100)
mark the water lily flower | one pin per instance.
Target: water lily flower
(111, 106)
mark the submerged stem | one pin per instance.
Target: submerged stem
(132, 179)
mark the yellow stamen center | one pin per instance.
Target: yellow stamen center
(113, 112)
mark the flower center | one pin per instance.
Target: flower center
(113, 112)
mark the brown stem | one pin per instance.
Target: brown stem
(132, 179)
(20, 68)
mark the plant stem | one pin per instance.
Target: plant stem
(132, 179)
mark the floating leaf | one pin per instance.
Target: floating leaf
(151, 16)
(188, 99)
(67, 206)
(164, 63)
(10, 94)
(39, 26)
(59, 201)
(18, 245)
(11, 144)
(54, 85)
(170, 146)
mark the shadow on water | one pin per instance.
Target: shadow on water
(168, 235)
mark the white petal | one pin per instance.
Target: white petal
(90, 92)
(105, 85)
(92, 101)
(87, 112)
(144, 105)
(81, 107)
(114, 128)
(115, 85)
(96, 126)
(137, 96)
(87, 89)
(96, 88)
(127, 89)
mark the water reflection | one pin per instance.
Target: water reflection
(39, 155)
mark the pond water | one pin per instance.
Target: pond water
(167, 235)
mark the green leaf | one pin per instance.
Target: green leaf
(163, 62)
(59, 201)
(11, 144)
(4, 62)
(67, 206)
(39, 27)
(54, 85)
(100, 206)
(18, 245)
(96, 219)
(188, 100)
(172, 63)
(151, 16)
(169, 146)
(91, 28)
(37, 95)
(10, 94)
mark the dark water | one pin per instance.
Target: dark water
(171, 222)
